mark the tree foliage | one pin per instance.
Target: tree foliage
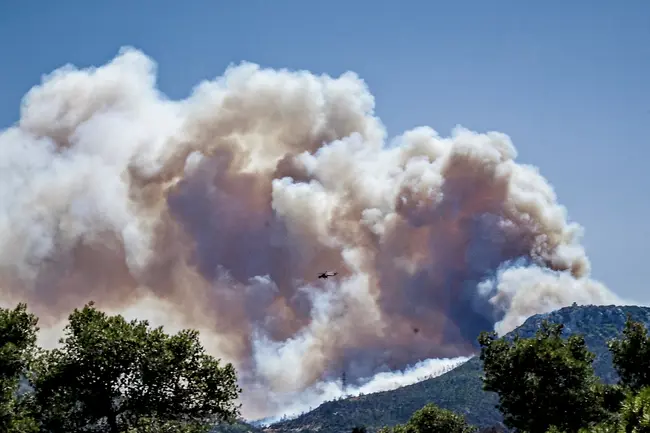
(621, 408)
(432, 419)
(18, 330)
(115, 376)
(542, 381)
(635, 412)
(631, 355)
(110, 375)
(634, 416)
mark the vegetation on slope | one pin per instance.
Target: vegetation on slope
(460, 390)
(115, 376)
(546, 384)
(433, 419)
(237, 427)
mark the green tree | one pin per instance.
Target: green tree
(635, 412)
(432, 419)
(18, 330)
(631, 355)
(110, 375)
(634, 416)
(542, 381)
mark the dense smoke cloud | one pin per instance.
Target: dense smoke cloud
(219, 211)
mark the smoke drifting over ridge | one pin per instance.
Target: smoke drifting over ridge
(218, 212)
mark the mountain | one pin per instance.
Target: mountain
(238, 427)
(460, 390)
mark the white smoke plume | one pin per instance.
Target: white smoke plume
(218, 212)
(308, 399)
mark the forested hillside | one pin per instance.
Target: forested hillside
(460, 390)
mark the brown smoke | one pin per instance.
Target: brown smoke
(219, 211)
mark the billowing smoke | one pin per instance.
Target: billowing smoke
(306, 400)
(219, 211)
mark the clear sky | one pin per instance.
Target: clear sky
(569, 81)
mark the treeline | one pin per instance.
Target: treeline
(442, 370)
(546, 384)
(110, 375)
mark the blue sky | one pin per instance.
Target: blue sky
(569, 81)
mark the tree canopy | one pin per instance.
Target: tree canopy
(18, 330)
(546, 384)
(110, 375)
(631, 355)
(432, 419)
(542, 381)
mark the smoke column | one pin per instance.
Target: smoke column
(219, 211)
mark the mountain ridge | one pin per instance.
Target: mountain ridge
(460, 389)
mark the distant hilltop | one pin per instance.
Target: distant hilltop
(460, 390)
